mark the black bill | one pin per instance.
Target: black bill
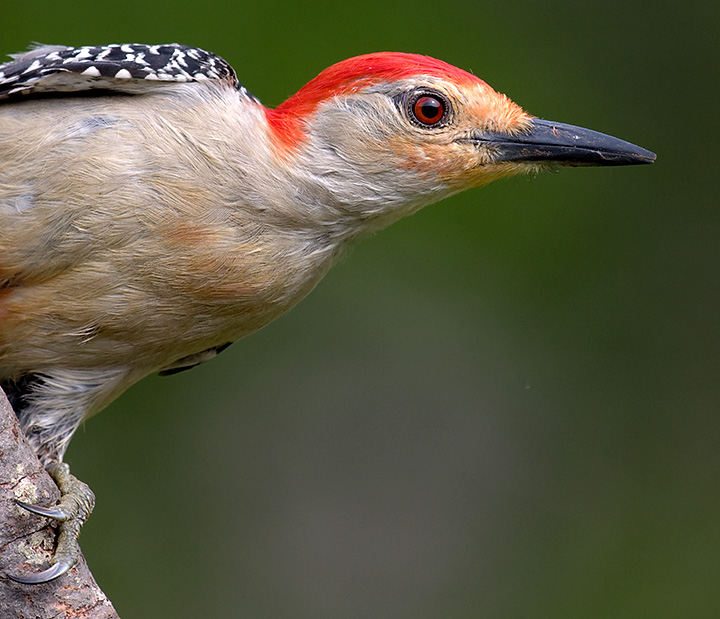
(564, 144)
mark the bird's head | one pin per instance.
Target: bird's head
(407, 130)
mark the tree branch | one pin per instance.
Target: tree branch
(28, 540)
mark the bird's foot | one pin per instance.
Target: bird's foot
(76, 503)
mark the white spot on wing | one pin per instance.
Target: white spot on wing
(33, 67)
(82, 54)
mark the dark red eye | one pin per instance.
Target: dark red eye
(428, 110)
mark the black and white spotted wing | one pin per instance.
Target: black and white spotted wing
(127, 68)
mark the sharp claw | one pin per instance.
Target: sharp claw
(45, 576)
(55, 513)
(76, 503)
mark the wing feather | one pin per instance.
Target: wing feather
(128, 68)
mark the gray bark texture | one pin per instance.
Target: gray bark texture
(27, 541)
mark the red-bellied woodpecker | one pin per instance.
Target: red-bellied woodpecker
(152, 210)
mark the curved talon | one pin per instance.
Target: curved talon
(56, 513)
(76, 503)
(51, 573)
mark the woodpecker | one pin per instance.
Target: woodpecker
(152, 210)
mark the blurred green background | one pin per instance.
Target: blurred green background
(505, 406)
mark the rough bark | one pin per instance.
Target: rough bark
(27, 540)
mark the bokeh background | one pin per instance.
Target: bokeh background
(505, 406)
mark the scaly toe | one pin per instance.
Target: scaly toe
(76, 503)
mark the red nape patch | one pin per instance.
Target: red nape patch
(350, 76)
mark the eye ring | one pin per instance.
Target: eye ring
(428, 109)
